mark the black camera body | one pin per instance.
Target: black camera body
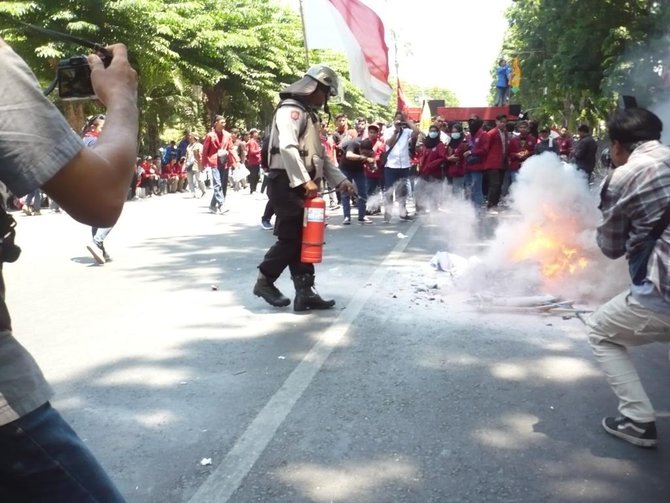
(9, 252)
(74, 77)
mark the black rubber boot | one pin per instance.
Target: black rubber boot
(266, 289)
(306, 296)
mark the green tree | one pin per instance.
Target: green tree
(578, 56)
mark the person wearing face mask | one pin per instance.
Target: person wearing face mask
(432, 171)
(475, 159)
(635, 205)
(496, 161)
(456, 163)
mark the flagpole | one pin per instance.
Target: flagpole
(304, 35)
(397, 68)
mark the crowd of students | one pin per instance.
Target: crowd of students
(474, 159)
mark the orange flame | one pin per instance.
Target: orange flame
(556, 255)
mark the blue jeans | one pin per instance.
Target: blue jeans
(501, 96)
(458, 186)
(220, 187)
(474, 181)
(34, 199)
(396, 181)
(43, 460)
(358, 177)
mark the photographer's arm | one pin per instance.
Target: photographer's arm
(93, 186)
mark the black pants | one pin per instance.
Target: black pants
(288, 205)
(495, 181)
(254, 176)
(267, 214)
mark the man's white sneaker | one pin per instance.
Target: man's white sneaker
(96, 252)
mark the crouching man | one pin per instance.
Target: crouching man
(635, 204)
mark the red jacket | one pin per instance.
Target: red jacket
(479, 148)
(253, 153)
(170, 170)
(564, 145)
(378, 148)
(210, 147)
(517, 145)
(456, 169)
(494, 157)
(432, 159)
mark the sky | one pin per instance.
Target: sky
(434, 42)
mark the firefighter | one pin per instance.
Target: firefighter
(297, 162)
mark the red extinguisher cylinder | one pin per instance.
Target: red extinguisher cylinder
(313, 230)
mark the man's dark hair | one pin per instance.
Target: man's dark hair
(634, 125)
(339, 116)
(366, 145)
(500, 117)
(583, 128)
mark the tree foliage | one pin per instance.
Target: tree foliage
(195, 58)
(578, 56)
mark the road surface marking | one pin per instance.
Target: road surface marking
(227, 477)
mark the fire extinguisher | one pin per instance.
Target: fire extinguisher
(313, 230)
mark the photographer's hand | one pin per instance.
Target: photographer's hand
(116, 82)
(93, 186)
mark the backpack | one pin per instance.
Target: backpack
(266, 149)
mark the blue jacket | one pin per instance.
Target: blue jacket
(503, 76)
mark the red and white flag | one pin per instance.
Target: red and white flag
(355, 28)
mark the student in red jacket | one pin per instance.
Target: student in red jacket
(475, 157)
(496, 161)
(253, 160)
(456, 163)
(432, 170)
(374, 173)
(564, 142)
(217, 154)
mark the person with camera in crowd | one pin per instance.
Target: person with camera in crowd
(397, 163)
(297, 162)
(635, 205)
(41, 457)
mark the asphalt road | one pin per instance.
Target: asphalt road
(404, 392)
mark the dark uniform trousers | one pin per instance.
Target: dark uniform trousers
(289, 206)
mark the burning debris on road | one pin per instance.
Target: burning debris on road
(545, 243)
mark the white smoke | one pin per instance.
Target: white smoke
(552, 199)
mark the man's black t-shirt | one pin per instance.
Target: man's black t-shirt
(585, 153)
(355, 147)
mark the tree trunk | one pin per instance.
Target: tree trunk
(213, 98)
(74, 114)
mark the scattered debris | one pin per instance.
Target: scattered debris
(206, 461)
(214, 287)
(281, 358)
(401, 235)
(535, 304)
(240, 372)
